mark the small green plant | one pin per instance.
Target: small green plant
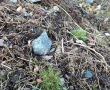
(36, 61)
(94, 86)
(80, 34)
(51, 80)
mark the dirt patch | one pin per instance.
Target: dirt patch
(22, 22)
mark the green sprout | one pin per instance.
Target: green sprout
(80, 34)
(51, 80)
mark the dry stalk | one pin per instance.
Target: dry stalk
(5, 65)
(10, 51)
(98, 54)
(25, 59)
(102, 60)
(97, 77)
(68, 15)
(62, 45)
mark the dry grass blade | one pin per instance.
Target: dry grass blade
(102, 60)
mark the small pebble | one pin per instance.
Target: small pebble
(55, 8)
(19, 9)
(47, 57)
(71, 88)
(88, 74)
(1, 42)
(98, 7)
(107, 34)
(79, 41)
(91, 44)
(36, 68)
(62, 81)
(14, 1)
(34, 0)
(89, 1)
(42, 44)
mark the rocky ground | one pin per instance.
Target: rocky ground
(72, 62)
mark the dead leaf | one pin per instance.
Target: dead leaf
(39, 80)
(90, 39)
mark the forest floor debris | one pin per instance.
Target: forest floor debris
(72, 63)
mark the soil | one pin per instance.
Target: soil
(18, 69)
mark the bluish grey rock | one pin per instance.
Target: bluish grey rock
(88, 74)
(14, 1)
(42, 44)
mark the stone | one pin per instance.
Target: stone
(89, 1)
(79, 41)
(34, 0)
(62, 81)
(107, 34)
(88, 74)
(14, 1)
(42, 44)
(19, 9)
(55, 8)
(1, 42)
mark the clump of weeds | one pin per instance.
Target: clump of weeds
(51, 79)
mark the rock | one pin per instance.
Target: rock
(55, 8)
(34, 0)
(107, 34)
(1, 42)
(62, 81)
(14, 1)
(89, 1)
(88, 74)
(79, 41)
(71, 88)
(98, 7)
(47, 57)
(19, 9)
(36, 68)
(42, 44)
